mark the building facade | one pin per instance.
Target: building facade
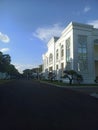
(76, 49)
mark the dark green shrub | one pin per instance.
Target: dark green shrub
(96, 79)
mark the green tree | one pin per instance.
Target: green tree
(27, 73)
(5, 60)
(96, 79)
(51, 76)
(1, 55)
(6, 66)
(71, 75)
(79, 78)
(11, 70)
(40, 68)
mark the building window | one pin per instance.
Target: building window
(57, 55)
(82, 53)
(62, 51)
(68, 59)
(50, 58)
(62, 69)
(62, 66)
(56, 67)
(50, 69)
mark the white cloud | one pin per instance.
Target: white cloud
(4, 38)
(4, 50)
(22, 67)
(83, 11)
(45, 33)
(86, 9)
(94, 23)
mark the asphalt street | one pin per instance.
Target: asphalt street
(31, 105)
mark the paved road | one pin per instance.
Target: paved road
(30, 105)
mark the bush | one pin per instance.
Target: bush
(79, 78)
(96, 79)
(51, 76)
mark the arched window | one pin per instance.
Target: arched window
(62, 51)
(57, 55)
(50, 58)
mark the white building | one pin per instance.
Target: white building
(76, 49)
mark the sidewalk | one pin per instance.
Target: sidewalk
(91, 90)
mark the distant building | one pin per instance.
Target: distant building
(76, 49)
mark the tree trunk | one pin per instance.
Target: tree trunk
(70, 82)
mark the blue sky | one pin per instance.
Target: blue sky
(27, 25)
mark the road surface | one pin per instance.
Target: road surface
(31, 105)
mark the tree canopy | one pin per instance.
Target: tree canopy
(6, 66)
(73, 75)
